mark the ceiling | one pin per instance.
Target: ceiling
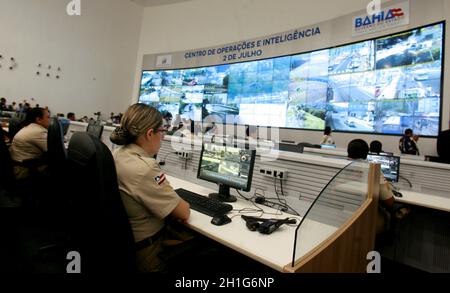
(149, 3)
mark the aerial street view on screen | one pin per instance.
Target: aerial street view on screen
(230, 165)
(383, 85)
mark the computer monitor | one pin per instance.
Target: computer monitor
(390, 165)
(228, 167)
(95, 129)
(289, 147)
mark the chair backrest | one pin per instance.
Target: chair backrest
(56, 151)
(95, 129)
(6, 166)
(99, 226)
(16, 124)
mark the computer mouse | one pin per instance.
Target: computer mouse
(220, 220)
(396, 193)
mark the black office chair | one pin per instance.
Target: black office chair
(16, 124)
(56, 151)
(7, 180)
(98, 223)
(95, 130)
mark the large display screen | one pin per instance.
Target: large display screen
(382, 85)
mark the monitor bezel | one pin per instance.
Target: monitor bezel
(392, 156)
(250, 173)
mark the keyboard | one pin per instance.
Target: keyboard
(203, 204)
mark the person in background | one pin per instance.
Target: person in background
(3, 106)
(251, 131)
(12, 107)
(407, 143)
(71, 116)
(327, 139)
(358, 149)
(443, 145)
(167, 116)
(376, 147)
(148, 197)
(31, 141)
(84, 119)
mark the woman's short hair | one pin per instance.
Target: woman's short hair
(357, 149)
(327, 130)
(137, 120)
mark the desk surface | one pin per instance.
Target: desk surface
(274, 250)
(425, 199)
(429, 199)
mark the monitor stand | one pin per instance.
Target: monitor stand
(224, 194)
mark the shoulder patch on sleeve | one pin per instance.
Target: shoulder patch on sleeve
(160, 178)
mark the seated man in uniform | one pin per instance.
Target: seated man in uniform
(358, 149)
(31, 141)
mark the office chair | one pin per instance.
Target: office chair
(98, 223)
(15, 124)
(56, 151)
(7, 180)
(95, 130)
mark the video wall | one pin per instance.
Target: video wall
(382, 85)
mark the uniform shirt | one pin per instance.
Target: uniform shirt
(408, 146)
(29, 143)
(385, 194)
(146, 194)
(327, 139)
(385, 189)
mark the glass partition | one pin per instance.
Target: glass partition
(337, 202)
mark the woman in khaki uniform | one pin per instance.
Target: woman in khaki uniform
(146, 194)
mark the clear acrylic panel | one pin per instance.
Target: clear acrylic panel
(337, 202)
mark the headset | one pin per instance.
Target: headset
(267, 226)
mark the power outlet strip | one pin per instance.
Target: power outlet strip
(184, 155)
(274, 173)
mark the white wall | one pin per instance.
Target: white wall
(208, 23)
(96, 51)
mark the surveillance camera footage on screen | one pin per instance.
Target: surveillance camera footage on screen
(383, 85)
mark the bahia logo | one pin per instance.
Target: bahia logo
(384, 15)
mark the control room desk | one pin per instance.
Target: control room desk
(274, 250)
(424, 198)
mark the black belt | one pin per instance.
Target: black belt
(148, 241)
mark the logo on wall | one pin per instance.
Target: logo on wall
(389, 17)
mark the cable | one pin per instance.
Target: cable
(246, 198)
(276, 192)
(285, 200)
(409, 182)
